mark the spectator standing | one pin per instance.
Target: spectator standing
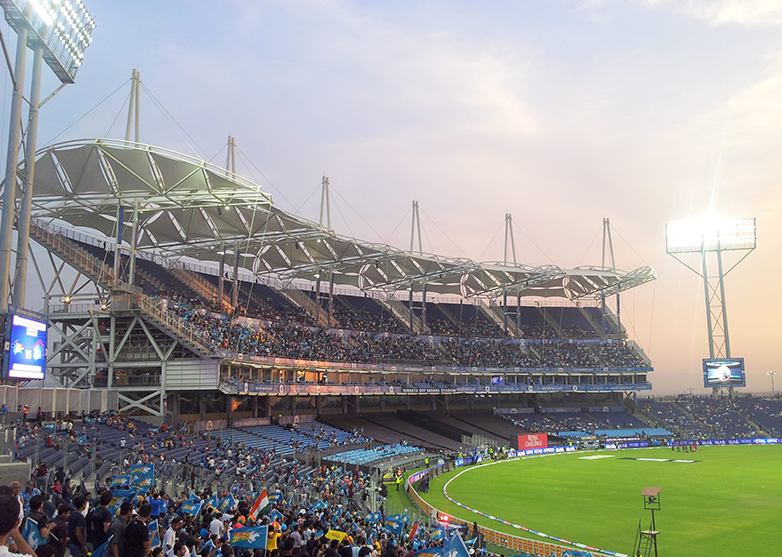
(58, 534)
(137, 541)
(118, 528)
(77, 529)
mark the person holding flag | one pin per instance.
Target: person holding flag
(260, 506)
(9, 526)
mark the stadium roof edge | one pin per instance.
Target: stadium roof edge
(189, 208)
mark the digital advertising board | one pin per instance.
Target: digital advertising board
(25, 345)
(724, 372)
(531, 441)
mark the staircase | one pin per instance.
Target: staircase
(497, 316)
(445, 311)
(70, 252)
(595, 325)
(402, 313)
(302, 300)
(156, 313)
(201, 286)
(551, 321)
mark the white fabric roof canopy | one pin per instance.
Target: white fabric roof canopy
(192, 209)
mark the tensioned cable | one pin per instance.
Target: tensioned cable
(533, 242)
(336, 206)
(590, 246)
(397, 225)
(444, 233)
(628, 244)
(108, 133)
(297, 211)
(218, 152)
(165, 112)
(247, 161)
(355, 211)
(86, 113)
(490, 242)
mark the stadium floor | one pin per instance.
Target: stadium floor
(725, 503)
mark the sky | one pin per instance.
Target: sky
(560, 112)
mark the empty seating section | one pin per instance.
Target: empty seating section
(766, 413)
(719, 419)
(368, 456)
(282, 441)
(578, 424)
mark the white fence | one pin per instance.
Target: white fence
(58, 401)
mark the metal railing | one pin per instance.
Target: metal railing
(63, 246)
(159, 313)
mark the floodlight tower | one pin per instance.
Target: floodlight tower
(58, 32)
(710, 237)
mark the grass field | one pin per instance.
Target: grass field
(728, 503)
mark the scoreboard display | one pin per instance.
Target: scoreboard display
(724, 372)
(25, 345)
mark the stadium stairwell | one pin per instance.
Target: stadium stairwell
(173, 325)
(595, 325)
(551, 321)
(300, 299)
(201, 286)
(496, 316)
(402, 313)
(77, 257)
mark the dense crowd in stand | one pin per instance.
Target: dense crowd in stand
(294, 340)
(308, 503)
(693, 418)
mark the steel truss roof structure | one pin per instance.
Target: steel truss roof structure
(190, 208)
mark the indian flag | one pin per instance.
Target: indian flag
(260, 506)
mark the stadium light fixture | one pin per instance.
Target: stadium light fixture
(772, 374)
(710, 233)
(58, 32)
(710, 236)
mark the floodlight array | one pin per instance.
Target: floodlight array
(710, 234)
(63, 26)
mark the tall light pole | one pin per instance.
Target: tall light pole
(772, 374)
(710, 237)
(58, 32)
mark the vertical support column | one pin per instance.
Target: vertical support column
(423, 306)
(112, 344)
(410, 304)
(221, 283)
(235, 300)
(118, 243)
(331, 296)
(133, 243)
(505, 311)
(317, 297)
(618, 314)
(131, 105)
(724, 307)
(9, 193)
(137, 103)
(518, 311)
(23, 226)
(708, 307)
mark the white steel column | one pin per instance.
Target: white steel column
(23, 225)
(9, 193)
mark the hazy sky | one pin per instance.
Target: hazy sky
(559, 112)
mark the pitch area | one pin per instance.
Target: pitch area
(727, 502)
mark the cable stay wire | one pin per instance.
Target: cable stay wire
(590, 246)
(108, 133)
(533, 243)
(480, 257)
(218, 152)
(355, 211)
(48, 143)
(397, 225)
(629, 246)
(444, 233)
(249, 162)
(300, 207)
(336, 206)
(165, 112)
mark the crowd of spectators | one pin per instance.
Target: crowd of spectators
(298, 341)
(311, 501)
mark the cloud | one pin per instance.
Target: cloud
(721, 12)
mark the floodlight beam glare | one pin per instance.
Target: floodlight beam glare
(710, 234)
